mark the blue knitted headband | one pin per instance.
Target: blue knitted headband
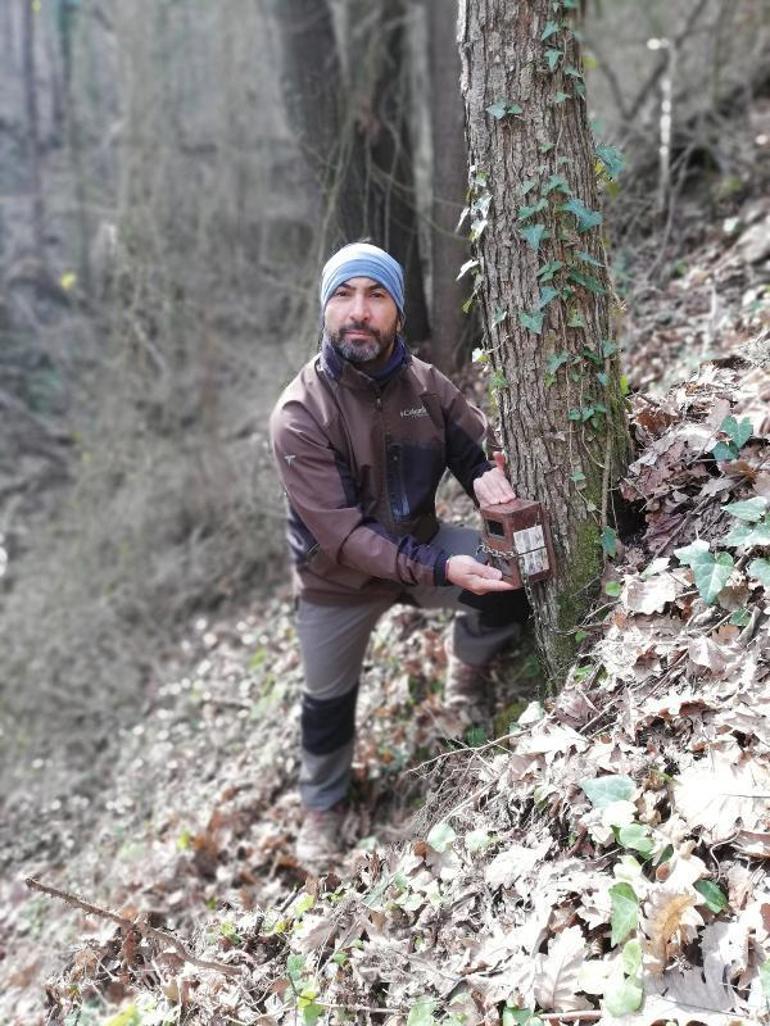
(362, 260)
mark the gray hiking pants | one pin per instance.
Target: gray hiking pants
(333, 641)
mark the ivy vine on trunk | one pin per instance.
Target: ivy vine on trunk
(542, 283)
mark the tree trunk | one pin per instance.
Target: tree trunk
(9, 35)
(449, 325)
(544, 289)
(356, 139)
(390, 201)
(69, 14)
(33, 130)
(312, 90)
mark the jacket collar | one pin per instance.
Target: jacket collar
(343, 371)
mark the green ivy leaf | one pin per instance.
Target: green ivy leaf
(588, 282)
(311, 1012)
(552, 57)
(595, 358)
(612, 160)
(520, 1017)
(586, 218)
(586, 258)
(561, 97)
(547, 295)
(609, 542)
(740, 618)
(551, 28)
(547, 271)
(636, 837)
(602, 378)
(738, 432)
(738, 535)
(760, 569)
(608, 347)
(555, 361)
(625, 912)
(712, 574)
(421, 1012)
(527, 186)
(624, 998)
(603, 791)
(533, 234)
(687, 553)
(524, 212)
(556, 181)
(625, 386)
(503, 109)
(532, 319)
(764, 979)
(441, 836)
(712, 895)
(498, 316)
(302, 905)
(760, 533)
(751, 509)
(723, 452)
(575, 319)
(632, 958)
(573, 72)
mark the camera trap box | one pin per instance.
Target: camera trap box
(516, 538)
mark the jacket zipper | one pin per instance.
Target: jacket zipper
(387, 474)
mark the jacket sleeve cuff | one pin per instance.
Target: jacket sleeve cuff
(439, 571)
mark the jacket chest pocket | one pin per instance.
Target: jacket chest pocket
(413, 471)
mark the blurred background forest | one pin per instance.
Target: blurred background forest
(172, 175)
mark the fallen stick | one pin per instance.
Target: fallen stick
(129, 924)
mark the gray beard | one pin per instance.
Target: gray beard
(359, 352)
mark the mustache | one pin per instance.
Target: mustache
(359, 329)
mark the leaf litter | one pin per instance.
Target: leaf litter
(604, 860)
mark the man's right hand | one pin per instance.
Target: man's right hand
(468, 573)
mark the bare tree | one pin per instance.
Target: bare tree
(543, 285)
(33, 130)
(449, 324)
(354, 129)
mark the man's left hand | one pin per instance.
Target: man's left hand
(493, 486)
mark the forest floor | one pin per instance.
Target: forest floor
(602, 857)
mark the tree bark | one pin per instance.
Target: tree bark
(33, 130)
(356, 140)
(544, 289)
(390, 199)
(312, 89)
(9, 34)
(449, 325)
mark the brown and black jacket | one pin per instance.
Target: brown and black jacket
(360, 460)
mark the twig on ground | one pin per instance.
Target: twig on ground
(129, 924)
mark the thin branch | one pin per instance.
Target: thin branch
(129, 924)
(662, 61)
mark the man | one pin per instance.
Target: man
(362, 437)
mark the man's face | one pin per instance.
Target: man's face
(361, 320)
